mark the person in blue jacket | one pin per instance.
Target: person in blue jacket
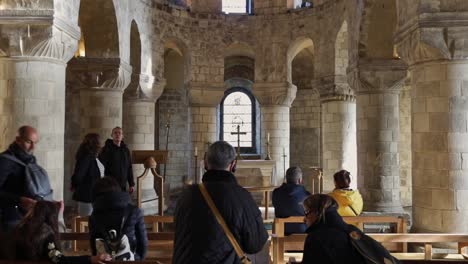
(288, 198)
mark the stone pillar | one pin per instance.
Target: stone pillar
(275, 102)
(378, 129)
(101, 83)
(139, 127)
(204, 99)
(338, 138)
(436, 53)
(32, 83)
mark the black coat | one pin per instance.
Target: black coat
(287, 200)
(85, 175)
(118, 163)
(198, 236)
(329, 242)
(108, 209)
(12, 185)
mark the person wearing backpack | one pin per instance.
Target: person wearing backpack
(22, 180)
(331, 240)
(115, 223)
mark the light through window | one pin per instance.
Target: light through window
(237, 111)
(234, 6)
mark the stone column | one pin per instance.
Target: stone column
(378, 129)
(33, 56)
(204, 99)
(275, 102)
(338, 138)
(101, 82)
(139, 127)
(439, 79)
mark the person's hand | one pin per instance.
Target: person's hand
(100, 259)
(26, 203)
(131, 189)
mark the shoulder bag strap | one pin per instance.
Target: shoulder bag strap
(221, 221)
(352, 209)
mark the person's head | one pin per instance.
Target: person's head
(105, 185)
(91, 144)
(294, 175)
(315, 207)
(342, 179)
(27, 138)
(40, 223)
(221, 156)
(117, 135)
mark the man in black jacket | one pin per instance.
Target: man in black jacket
(198, 236)
(287, 199)
(14, 201)
(117, 162)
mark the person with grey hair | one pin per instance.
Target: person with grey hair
(199, 238)
(287, 199)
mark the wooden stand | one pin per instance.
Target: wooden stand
(319, 179)
(150, 161)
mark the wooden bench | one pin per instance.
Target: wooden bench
(154, 245)
(160, 245)
(282, 243)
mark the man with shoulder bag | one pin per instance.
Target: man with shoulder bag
(22, 180)
(217, 222)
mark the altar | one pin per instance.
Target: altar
(255, 173)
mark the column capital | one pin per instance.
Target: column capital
(333, 88)
(430, 36)
(378, 76)
(30, 32)
(205, 94)
(144, 87)
(269, 94)
(106, 74)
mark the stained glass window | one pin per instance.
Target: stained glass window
(237, 109)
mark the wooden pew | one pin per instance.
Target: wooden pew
(427, 239)
(282, 243)
(155, 221)
(161, 250)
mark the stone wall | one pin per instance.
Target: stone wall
(305, 131)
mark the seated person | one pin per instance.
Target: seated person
(331, 240)
(112, 209)
(287, 199)
(36, 237)
(349, 201)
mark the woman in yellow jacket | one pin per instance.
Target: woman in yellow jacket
(349, 201)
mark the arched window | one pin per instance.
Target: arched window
(238, 108)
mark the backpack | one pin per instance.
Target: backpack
(372, 251)
(37, 185)
(114, 243)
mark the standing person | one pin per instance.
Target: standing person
(199, 238)
(88, 169)
(287, 199)
(116, 159)
(37, 237)
(112, 209)
(22, 180)
(349, 201)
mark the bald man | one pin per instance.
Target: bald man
(17, 191)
